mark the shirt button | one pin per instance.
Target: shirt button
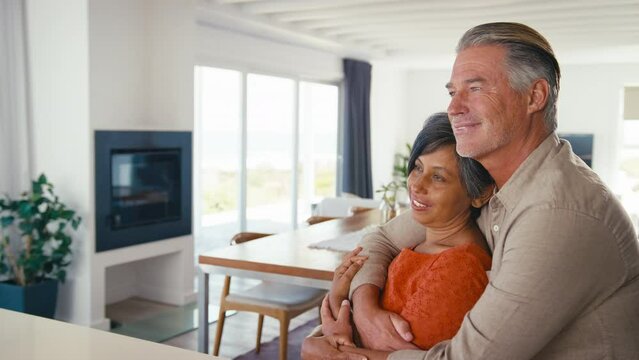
(495, 228)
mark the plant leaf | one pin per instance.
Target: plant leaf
(36, 187)
(6, 221)
(42, 179)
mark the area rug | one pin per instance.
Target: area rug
(167, 324)
(270, 350)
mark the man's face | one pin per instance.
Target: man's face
(485, 112)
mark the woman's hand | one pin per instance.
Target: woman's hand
(320, 348)
(337, 337)
(342, 279)
(338, 330)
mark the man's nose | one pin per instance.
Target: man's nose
(457, 104)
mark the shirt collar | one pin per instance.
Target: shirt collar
(510, 194)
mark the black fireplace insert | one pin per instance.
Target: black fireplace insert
(142, 187)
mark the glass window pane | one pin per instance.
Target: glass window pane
(270, 132)
(318, 144)
(631, 133)
(629, 170)
(218, 99)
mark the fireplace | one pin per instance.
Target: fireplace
(142, 187)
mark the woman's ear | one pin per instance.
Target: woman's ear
(478, 202)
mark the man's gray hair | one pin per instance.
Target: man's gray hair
(529, 57)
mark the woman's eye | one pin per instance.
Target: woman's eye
(438, 178)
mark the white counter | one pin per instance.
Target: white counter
(27, 337)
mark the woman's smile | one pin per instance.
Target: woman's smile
(418, 205)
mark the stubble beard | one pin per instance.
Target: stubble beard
(478, 145)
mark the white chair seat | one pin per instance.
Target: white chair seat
(280, 301)
(284, 296)
(341, 206)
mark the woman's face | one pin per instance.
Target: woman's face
(438, 198)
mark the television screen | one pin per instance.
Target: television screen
(145, 187)
(581, 145)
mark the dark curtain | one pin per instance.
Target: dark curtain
(356, 174)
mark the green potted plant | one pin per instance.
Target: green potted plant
(395, 193)
(400, 167)
(389, 206)
(35, 261)
(400, 175)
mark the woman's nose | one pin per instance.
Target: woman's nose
(419, 185)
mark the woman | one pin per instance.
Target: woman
(433, 285)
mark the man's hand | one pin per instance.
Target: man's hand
(379, 329)
(351, 263)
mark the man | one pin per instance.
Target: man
(564, 282)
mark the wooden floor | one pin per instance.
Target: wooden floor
(239, 330)
(239, 333)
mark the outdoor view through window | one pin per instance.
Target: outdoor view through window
(629, 169)
(288, 130)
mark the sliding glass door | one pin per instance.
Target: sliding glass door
(267, 151)
(318, 134)
(218, 134)
(270, 117)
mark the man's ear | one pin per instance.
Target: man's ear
(538, 96)
(478, 202)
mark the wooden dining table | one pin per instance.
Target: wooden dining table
(284, 257)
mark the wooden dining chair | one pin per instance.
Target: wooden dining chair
(278, 300)
(316, 219)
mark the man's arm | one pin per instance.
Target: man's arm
(379, 329)
(545, 277)
(382, 245)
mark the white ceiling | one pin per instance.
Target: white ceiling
(423, 33)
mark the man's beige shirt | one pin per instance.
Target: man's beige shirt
(565, 274)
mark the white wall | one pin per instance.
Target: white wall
(59, 83)
(172, 57)
(426, 95)
(589, 102)
(142, 56)
(119, 64)
(388, 120)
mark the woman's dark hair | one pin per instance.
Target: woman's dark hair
(437, 132)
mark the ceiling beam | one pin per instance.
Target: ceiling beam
(285, 6)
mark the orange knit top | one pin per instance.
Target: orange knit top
(433, 292)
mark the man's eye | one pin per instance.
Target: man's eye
(475, 88)
(451, 93)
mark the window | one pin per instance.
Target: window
(629, 154)
(269, 160)
(218, 111)
(268, 150)
(318, 119)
